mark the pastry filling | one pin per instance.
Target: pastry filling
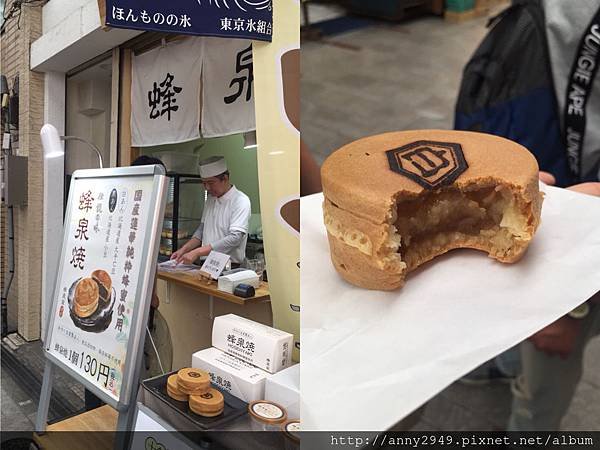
(488, 216)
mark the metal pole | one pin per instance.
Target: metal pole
(125, 423)
(42, 412)
(124, 433)
(11, 271)
(92, 146)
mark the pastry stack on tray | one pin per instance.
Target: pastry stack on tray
(193, 386)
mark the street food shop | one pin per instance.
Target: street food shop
(171, 303)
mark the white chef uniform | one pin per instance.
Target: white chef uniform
(223, 219)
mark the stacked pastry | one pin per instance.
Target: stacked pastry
(173, 389)
(209, 404)
(193, 385)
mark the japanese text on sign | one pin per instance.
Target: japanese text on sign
(215, 264)
(249, 19)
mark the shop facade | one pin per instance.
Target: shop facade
(76, 75)
(80, 74)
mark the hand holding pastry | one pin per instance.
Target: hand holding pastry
(558, 338)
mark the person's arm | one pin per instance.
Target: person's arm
(186, 249)
(228, 243)
(238, 228)
(190, 245)
(224, 245)
(590, 189)
(560, 337)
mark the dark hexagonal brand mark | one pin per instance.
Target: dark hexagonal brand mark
(431, 164)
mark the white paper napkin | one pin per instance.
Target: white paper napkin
(370, 358)
(171, 266)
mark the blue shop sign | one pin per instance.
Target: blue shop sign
(247, 19)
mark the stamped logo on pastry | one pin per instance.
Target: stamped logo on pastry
(429, 163)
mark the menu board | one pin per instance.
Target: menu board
(102, 284)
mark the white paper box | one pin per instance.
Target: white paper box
(227, 283)
(260, 345)
(237, 377)
(284, 388)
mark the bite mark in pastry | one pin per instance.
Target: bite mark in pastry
(397, 200)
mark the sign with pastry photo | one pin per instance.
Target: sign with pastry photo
(98, 285)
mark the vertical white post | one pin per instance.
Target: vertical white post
(114, 109)
(54, 175)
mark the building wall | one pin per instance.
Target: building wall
(9, 67)
(15, 46)
(93, 128)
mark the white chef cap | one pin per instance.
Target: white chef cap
(213, 166)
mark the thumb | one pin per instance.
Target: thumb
(586, 188)
(547, 178)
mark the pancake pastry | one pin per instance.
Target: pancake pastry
(397, 200)
(86, 297)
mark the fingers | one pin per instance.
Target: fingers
(551, 346)
(586, 188)
(547, 178)
(186, 258)
(542, 346)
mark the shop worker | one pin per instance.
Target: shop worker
(224, 224)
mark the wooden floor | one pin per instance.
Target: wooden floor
(102, 419)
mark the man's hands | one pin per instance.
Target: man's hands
(182, 256)
(188, 258)
(178, 254)
(559, 337)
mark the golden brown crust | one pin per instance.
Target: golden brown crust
(208, 404)
(103, 277)
(357, 177)
(360, 270)
(177, 395)
(86, 297)
(173, 389)
(193, 381)
(361, 194)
